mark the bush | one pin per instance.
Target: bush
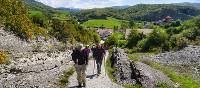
(122, 43)
(143, 44)
(158, 38)
(4, 58)
(114, 39)
(133, 38)
(16, 18)
(65, 79)
(178, 41)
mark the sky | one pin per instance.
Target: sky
(88, 4)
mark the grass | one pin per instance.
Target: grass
(162, 85)
(107, 23)
(185, 81)
(133, 86)
(110, 70)
(65, 79)
(4, 59)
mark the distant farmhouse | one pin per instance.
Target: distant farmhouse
(167, 19)
(104, 33)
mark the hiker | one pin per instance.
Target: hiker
(86, 52)
(99, 53)
(80, 65)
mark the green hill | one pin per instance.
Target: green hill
(141, 12)
(196, 5)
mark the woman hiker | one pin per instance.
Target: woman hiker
(80, 65)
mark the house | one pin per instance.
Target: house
(104, 33)
(166, 19)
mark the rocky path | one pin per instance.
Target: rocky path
(92, 80)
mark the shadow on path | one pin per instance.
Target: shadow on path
(91, 76)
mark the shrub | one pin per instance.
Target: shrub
(122, 43)
(114, 39)
(4, 59)
(16, 18)
(65, 79)
(143, 44)
(178, 41)
(133, 38)
(158, 38)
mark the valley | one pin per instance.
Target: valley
(147, 45)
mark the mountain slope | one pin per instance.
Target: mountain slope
(146, 12)
(196, 5)
(37, 6)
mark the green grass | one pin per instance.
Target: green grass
(65, 79)
(185, 81)
(107, 23)
(109, 69)
(133, 86)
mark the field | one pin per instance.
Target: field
(107, 23)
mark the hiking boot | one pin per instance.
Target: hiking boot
(84, 85)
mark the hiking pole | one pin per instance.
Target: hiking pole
(105, 63)
(94, 67)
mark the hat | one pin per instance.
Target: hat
(101, 42)
(79, 46)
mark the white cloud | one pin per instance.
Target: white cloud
(87, 4)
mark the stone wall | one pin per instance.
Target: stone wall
(128, 72)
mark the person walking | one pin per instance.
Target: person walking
(80, 65)
(99, 53)
(86, 52)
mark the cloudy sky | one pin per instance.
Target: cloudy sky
(87, 4)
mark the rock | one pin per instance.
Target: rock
(34, 72)
(34, 63)
(129, 73)
(188, 56)
(149, 77)
(124, 72)
(185, 61)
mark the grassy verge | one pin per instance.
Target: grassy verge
(65, 79)
(185, 81)
(4, 58)
(109, 69)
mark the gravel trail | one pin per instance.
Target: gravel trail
(92, 81)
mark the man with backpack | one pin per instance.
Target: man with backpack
(80, 65)
(98, 54)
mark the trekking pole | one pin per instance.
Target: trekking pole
(94, 67)
(105, 63)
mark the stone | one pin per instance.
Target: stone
(130, 73)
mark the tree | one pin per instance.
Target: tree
(158, 38)
(38, 18)
(114, 39)
(16, 19)
(133, 38)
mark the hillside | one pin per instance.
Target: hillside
(142, 12)
(196, 5)
(37, 6)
